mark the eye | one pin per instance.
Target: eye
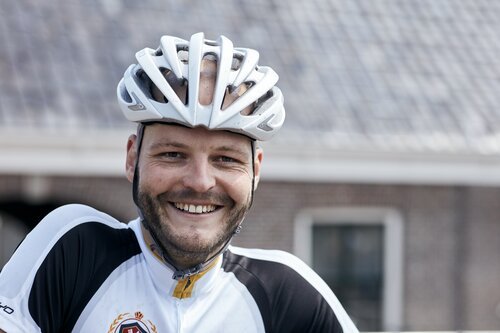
(171, 155)
(227, 160)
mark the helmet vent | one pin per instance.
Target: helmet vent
(233, 93)
(207, 78)
(183, 55)
(236, 64)
(263, 99)
(124, 94)
(158, 52)
(178, 85)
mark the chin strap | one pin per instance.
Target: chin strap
(180, 274)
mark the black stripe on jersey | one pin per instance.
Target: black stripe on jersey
(73, 271)
(287, 302)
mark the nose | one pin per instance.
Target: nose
(199, 176)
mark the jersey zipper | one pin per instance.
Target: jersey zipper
(184, 288)
(179, 317)
(183, 291)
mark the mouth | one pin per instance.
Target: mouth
(195, 209)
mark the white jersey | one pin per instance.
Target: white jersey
(80, 270)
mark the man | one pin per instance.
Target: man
(194, 166)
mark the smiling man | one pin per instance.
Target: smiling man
(200, 106)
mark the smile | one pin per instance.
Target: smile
(195, 209)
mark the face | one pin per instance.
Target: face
(195, 187)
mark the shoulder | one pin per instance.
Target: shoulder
(75, 214)
(82, 239)
(279, 264)
(271, 256)
(70, 219)
(275, 267)
(68, 236)
(79, 228)
(75, 220)
(288, 289)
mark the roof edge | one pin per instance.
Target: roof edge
(323, 164)
(102, 153)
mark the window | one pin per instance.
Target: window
(358, 252)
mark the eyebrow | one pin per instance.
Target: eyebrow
(233, 149)
(168, 144)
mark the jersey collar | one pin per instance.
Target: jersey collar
(162, 275)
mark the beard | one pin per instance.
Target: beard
(182, 249)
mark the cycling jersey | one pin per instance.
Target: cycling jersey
(80, 270)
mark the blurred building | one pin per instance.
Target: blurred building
(385, 178)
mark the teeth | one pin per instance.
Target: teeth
(195, 209)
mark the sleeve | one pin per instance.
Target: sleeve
(45, 285)
(17, 278)
(290, 295)
(302, 306)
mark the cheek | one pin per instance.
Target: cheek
(239, 189)
(154, 180)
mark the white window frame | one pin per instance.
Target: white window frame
(391, 219)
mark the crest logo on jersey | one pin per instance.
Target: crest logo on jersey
(132, 323)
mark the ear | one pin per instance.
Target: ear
(259, 155)
(131, 157)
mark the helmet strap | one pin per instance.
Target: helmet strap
(253, 148)
(135, 181)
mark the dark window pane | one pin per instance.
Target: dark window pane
(350, 260)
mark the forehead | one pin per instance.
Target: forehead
(196, 137)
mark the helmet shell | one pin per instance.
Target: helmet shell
(235, 66)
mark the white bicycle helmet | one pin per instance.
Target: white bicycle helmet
(183, 59)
